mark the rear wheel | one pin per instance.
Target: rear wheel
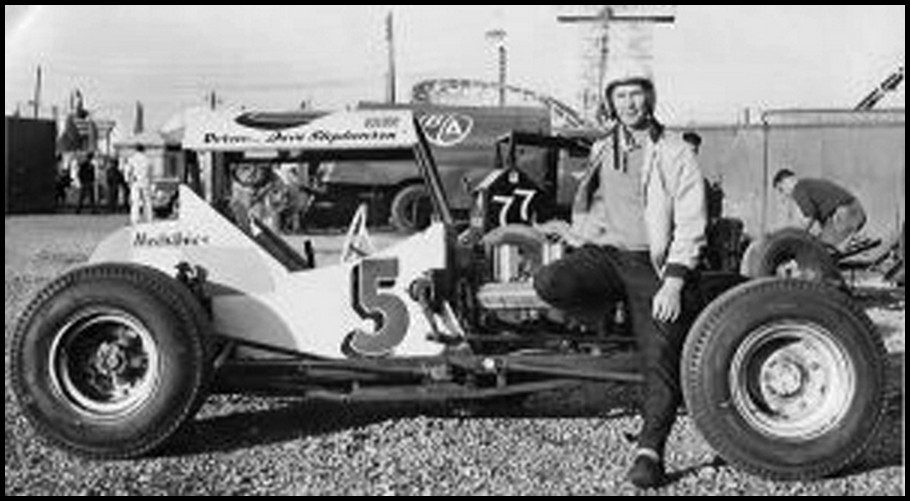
(790, 253)
(411, 209)
(109, 360)
(785, 378)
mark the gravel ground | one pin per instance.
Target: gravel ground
(573, 442)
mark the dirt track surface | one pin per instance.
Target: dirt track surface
(568, 443)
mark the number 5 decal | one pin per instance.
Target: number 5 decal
(387, 311)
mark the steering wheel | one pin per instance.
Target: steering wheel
(357, 241)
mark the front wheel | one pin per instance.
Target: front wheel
(110, 359)
(785, 378)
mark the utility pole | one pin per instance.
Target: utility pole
(390, 42)
(498, 37)
(139, 124)
(36, 102)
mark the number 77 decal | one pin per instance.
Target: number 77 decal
(506, 201)
(387, 311)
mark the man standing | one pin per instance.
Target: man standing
(138, 174)
(638, 224)
(115, 185)
(86, 175)
(838, 213)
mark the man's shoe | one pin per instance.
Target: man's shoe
(647, 472)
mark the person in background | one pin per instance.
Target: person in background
(694, 141)
(116, 184)
(834, 211)
(139, 176)
(61, 183)
(292, 213)
(86, 175)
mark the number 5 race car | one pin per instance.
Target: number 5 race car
(783, 377)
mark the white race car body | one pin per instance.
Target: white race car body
(258, 299)
(360, 307)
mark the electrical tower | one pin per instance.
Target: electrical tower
(498, 37)
(611, 34)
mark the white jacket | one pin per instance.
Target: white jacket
(674, 196)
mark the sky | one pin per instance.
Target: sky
(709, 65)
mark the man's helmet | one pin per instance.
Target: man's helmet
(628, 73)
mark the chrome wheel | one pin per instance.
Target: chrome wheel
(792, 379)
(104, 363)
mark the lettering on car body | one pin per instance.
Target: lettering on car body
(168, 239)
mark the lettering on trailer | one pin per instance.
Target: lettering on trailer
(376, 129)
(446, 129)
(214, 138)
(329, 137)
(172, 239)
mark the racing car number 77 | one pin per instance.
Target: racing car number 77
(388, 311)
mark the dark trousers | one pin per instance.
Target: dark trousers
(87, 190)
(843, 223)
(114, 189)
(591, 277)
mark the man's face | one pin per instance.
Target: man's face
(785, 186)
(629, 103)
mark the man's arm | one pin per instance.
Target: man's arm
(561, 229)
(690, 218)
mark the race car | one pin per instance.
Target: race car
(784, 378)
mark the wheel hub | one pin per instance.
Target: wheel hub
(792, 379)
(104, 362)
(110, 359)
(782, 378)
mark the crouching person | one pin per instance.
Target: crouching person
(638, 223)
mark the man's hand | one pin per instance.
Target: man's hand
(561, 229)
(809, 225)
(667, 304)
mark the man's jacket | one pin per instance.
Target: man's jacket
(674, 196)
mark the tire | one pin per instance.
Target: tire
(900, 272)
(109, 360)
(758, 369)
(790, 253)
(411, 209)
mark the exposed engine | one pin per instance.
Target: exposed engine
(514, 253)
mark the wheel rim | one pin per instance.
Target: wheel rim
(104, 363)
(792, 380)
